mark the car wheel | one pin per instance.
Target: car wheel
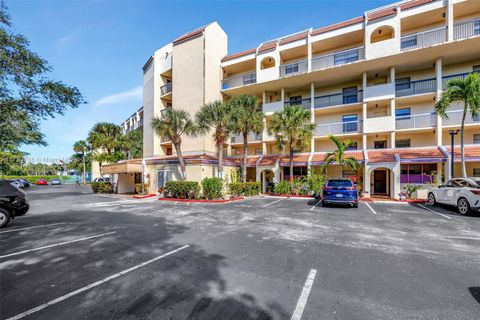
(4, 217)
(463, 206)
(431, 199)
(355, 205)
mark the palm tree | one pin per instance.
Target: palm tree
(106, 139)
(217, 116)
(171, 126)
(248, 118)
(292, 128)
(338, 156)
(466, 91)
(81, 147)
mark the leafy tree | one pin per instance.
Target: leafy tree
(27, 96)
(218, 117)
(81, 147)
(467, 92)
(338, 156)
(133, 144)
(106, 140)
(291, 128)
(248, 118)
(172, 126)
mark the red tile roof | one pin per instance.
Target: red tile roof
(424, 154)
(189, 35)
(319, 157)
(414, 3)
(381, 13)
(239, 54)
(471, 151)
(267, 47)
(338, 25)
(293, 38)
(300, 159)
(268, 160)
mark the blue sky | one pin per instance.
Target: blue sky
(100, 46)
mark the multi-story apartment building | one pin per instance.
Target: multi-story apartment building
(134, 122)
(373, 79)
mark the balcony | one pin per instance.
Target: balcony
(250, 137)
(350, 127)
(379, 92)
(294, 68)
(166, 89)
(379, 124)
(417, 121)
(415, 87)
(239, 81)
(273, 106)
(337, 99)
(304, 103)
(461, 76)
(423, 39)
(466, 29)
(455, 118)
(338, 58)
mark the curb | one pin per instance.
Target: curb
(144, 196)
(200, 200)
(287, 196)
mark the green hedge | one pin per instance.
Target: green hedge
(33, 179)
(245, 188)
(182, 189)
(212, 188)
(102, 187)
(283, 187)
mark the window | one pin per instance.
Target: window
(353, 146)
(297, 171)
(409, 41)
(476, 172)
(476, 138)
(350, 123)
(476, 28)
(402, 143)
(249, 78)
(138, 177)
(345, 57)
(291, 68)
(163, 176)
(295, 100)
(350, 95)
(380, 144)
(258, 151)
(402, 114)
(402, 83)
(476, 68)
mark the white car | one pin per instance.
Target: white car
(464, 193)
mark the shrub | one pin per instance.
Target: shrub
(245, 188)
(182, 189)
(212, 188)
(102, 187)
(315, 183)
(301, 187)
(138, 188)
(283, 187)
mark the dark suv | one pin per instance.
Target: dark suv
(13, 201)
(340, 191)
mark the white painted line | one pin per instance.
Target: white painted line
(440, 214)
(92, 285)
(57, 244)
(44, 225)
(462, 238)
(268, 204)
(316, 204)
(109, 203)
(302, 301)
(370, 207)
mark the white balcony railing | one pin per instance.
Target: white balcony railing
(250, 137)
(415, 87)
(338, 58)
(294, 68)
(379, 124)
(455, 118)
(166, 88)
(272, 106)
(423, 39)
(427, 120)
(338, 128)
(240, 80)
(379, 92)
(466, 29)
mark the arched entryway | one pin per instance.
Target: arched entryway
(380, 179)
(267, 180)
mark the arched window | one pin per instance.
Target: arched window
(382, 33)
(267, 62)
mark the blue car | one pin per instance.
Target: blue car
(340, 191)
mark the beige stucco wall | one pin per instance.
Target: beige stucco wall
(469, 132)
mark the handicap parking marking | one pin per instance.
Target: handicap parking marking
(93, 285)
(28, 228)
(433, 211)
(302, 301)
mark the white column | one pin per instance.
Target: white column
(312, 118)
(264, 182)
(449, 20)
(364, 110)
(438, 72)
(309, 52)
(265, 133)
(366, 181)
(282, 95)
(392, 75)
(392, 108)
(392, 139)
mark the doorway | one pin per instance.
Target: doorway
(380, 182)
(267, 181)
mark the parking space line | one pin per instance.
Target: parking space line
(93, 285)
(302, 301)
(441, 214)
(57, 244)
(266, 205)
(370, 207)
(316, 204)
(20, 229)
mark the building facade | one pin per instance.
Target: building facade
(373, 79)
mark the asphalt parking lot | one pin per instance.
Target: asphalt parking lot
(77, 255)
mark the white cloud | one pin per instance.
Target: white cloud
(129, 95)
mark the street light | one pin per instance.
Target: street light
(452, 134)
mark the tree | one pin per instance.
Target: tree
(467, 92)
(338, 156)
(82, 147)
(248, 118)
(27, 96)
(106, 141)
(172, 126)
(292, 129)
(133, 144)
(217, 116)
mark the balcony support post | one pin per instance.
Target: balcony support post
(392, 75)
(449, 20)
(282, 95)
(312, 113)
(264, 144)
(392, 113)
(439, 82)
(364, 110)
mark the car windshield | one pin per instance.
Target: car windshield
(339, 183)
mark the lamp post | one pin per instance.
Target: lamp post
(452, 134)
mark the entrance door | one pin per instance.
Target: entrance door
(163, 176)
(380, 182)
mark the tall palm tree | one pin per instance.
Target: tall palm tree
(171, 126)
(217, 116)
(466, 91)
(248, 118)
(338, 156)
(291, 128)
(81, 147)
(106, 141)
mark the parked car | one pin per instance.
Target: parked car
(55, 182)
(13, 201)
(24, 183)
(340, 191)
(102, 179)
(42, 182)
(464, 193)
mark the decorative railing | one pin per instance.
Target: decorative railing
(423, 39)
(416, 178)
(338, 99)
(240, 80)
(426, 120)
(338, 58)
(338, 128)
(304, 103)
(250, 137)
(294, 68)
(415, 87)
(165, 89)
(466, 29)
(455, 118)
